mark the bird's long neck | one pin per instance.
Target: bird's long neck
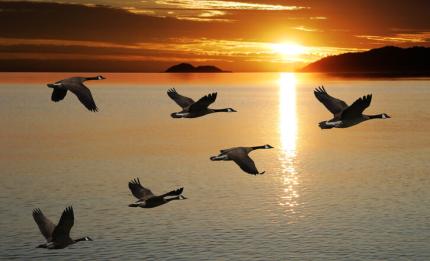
(377, 116)
(91, 78)
(174, 198)
(82, 239)
(258, 147)
(220, 110)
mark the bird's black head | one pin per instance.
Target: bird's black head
(267, 146)
(176, 115)
(99, 77)
(385, 116)
(224, 110)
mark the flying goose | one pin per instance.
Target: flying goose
(57, 236)
(345, 116)
(75, 85)
(192, 109)
(146, 199)
(240, 156)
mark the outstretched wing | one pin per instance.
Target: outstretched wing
(176, 192)
(58, 94)
(45, 225)
(332, 104)
(181, 100)
(138, 190)
(356, 109)
(83, 94)
(245, 162)
(203, 103)
(62, 230)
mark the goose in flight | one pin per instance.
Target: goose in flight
(192, 109)
(57, 236)
(345, 116)
(146, 199)
(240, 156)
(75, 85)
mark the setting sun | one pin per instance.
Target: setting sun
(288, 49)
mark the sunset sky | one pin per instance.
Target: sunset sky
(272, 35)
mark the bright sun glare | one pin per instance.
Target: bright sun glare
(288, 49)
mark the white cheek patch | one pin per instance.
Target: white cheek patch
(383, 116)
(333, 123)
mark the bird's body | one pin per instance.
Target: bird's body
(192, 109)
(146, 199)
(57, 236)
(76, 86)
(240, 156)
(345, 116)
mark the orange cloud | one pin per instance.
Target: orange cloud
(399, 38)
(232, 5)
(306, 29)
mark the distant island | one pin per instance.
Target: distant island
(188, 68)
(386, 61)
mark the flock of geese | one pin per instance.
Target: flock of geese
(58, 236)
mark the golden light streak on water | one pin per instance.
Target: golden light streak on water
(288, 139)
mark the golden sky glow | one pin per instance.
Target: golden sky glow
(234, 35)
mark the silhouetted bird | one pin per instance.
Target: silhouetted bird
(192, 109)
(75, 85)
(240, 156)
(57, 236)
(146, 199)
(345, 116)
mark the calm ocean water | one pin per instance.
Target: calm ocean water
(344, 194)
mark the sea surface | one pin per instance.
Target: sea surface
(361, 193)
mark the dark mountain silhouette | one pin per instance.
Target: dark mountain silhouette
(389, 60)
(186, 67)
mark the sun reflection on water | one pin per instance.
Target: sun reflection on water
(288, 139)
